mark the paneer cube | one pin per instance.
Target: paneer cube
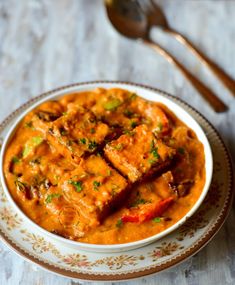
(75, 133)
(93, 188)
(138, 154)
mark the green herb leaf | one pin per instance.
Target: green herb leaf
(76, 184)
(119, 223)
(152, 161)
(92, 145)
(35, 161)
(128, 113)
(155, 153)
(152, 144)
(92, 130)
(159, 127)
(15, 159)
(132, 96)
(139, 202)
(52, 196)
(63, 132)
(128, 132)
(133, 124)
(83, 140)
(118, 146)
(96, 184)
(99, 153)
(112, 105)
(154, 150)
(29, 125)
(157, 220)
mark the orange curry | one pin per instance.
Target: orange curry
(104, 167)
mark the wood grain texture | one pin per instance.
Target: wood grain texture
(45, 44)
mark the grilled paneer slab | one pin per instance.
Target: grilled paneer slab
(75, 133)
(93, 189)
(124, 109)
(138, 154)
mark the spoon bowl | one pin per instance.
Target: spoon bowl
(128, 18)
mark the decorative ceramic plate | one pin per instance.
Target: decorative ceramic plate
(153, 258)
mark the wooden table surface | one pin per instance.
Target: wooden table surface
(45, 44)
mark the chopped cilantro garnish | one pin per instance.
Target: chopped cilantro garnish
(152, 161)
(15, 159)
(133, 96)
(159, 127)
(119, 223)
(128, 113)
(128, 132)
(133, 124)
(139, 202)
(92, 130)
(29, 125)
(112, 104)
(83, 140)
(92, 145)
(99, 153)
(157, 220)
(155, 153)
(118, 146)
(35, 161)
(63, 132)
(96, 184)
(154, 150)
(76, 184)
(152, 145)
(52, 196)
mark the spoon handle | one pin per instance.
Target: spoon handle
(208, 94)
(224, 78)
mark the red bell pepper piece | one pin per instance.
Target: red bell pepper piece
(147, 212)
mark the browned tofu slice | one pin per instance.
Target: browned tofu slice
(93, 189)
(138, 153)
(75, 133)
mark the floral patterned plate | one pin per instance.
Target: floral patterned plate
(153, 258)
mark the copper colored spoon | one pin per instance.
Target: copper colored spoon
(129, 20)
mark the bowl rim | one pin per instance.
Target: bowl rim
(91, 85)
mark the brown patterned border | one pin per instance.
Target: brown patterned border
(141, 273)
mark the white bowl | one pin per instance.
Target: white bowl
(149, 94)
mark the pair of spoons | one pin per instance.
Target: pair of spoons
(134, 20)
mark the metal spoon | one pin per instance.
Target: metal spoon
(157, 18)
(129, 20)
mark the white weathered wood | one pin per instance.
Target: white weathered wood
(45, 44)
